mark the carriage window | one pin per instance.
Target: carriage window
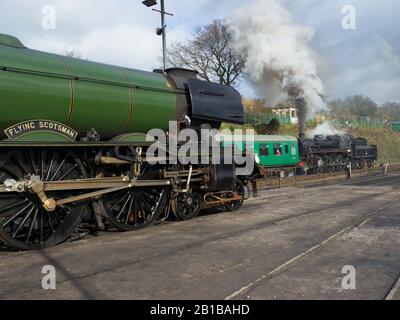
(264, 150)
(278, 150)
(287, 149)
(294, 151)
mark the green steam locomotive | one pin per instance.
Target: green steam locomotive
(73, 142)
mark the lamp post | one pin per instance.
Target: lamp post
(160, 31)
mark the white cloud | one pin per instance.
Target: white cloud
(388, 52)
(114, 32)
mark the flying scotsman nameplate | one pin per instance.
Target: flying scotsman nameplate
(40, 125)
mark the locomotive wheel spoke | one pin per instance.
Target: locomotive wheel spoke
(24, 223)
(31, 162)
(31, 226)
(13, 206)
(119, 201)
(42, 163)
(186, 206)
(68, 172)
(50, 166)
(124, 206)
(19, 164)
(134, 208)
(58, 170)
(129, 210)
(16, 215)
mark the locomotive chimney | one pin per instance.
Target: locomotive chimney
(301, 106)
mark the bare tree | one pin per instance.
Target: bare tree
(210, 52)
(72, 53)
(357, 106)
(390, 111)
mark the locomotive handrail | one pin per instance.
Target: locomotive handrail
(92, 80)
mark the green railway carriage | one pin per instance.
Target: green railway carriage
(73, 132)
(276, 151)
(271, 151)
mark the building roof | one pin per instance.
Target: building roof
(258, 138)
(284, 108)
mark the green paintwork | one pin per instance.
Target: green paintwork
(289, 149)
(10, 41)
(79, 93)
(396, 126)
(38, 136)
(25, 96)
(137, 137)
(145, 102)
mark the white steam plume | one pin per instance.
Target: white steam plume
(279, 59)
(326, 129)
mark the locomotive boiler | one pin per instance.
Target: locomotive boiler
(73, 141)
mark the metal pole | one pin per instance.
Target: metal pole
(348, 171)
(164, 38)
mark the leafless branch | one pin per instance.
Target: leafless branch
(210, 53)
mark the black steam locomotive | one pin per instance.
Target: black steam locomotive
(335, 152)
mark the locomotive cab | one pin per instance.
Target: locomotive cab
(206, 103)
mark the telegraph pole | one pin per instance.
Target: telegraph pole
(161, 31)
(164, 35)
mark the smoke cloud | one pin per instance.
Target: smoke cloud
(279, 59)
(325, 129)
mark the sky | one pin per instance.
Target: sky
(364, 61)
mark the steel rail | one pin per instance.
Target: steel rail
(393, 290)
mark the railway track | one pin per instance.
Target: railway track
(315, 181)
(393, 290)
(323, 178)
(240, 293)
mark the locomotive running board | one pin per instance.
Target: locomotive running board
(218, 200)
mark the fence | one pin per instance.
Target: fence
(396, 126)
(360, 122)
(259, 118)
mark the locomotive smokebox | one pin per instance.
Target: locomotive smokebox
(301, 106)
